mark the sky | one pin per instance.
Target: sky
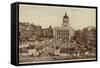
(45, 16)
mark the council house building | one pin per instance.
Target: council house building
(65, 32)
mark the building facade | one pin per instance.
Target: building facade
(28, 32)
(47, 32)
(65, 32)
(89, 36)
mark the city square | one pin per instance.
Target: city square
(56, 43)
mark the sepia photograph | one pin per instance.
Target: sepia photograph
(56, 34)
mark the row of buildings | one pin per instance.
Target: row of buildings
(30, 32)
(86, 36)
